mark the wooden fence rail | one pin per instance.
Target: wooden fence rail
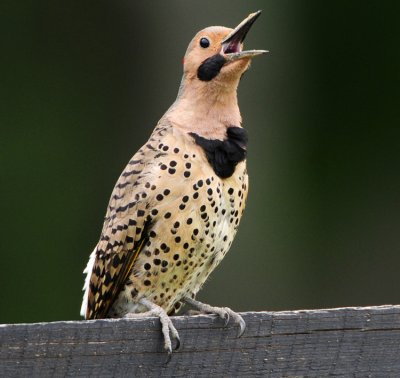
(343, 342)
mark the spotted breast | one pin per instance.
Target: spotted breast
(185, 228)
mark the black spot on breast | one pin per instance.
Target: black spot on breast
(210, 67)
(224, 155)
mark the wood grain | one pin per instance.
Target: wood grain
(343, 342)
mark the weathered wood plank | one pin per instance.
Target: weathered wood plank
(345, 342)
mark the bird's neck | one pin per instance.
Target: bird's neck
(205, 108)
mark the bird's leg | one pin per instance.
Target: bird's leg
(223, 312)
(166, 323)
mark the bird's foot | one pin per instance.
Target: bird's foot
(167, 326)
(223, 312)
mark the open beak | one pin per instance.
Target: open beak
(232, 44)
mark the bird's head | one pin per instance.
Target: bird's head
(213, 65)
(216, 56)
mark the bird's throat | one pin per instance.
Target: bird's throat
(205, 109)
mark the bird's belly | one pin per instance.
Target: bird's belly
(191, 235)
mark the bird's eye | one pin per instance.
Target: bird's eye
(204, 42)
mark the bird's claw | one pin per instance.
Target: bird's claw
(227, 318)
(178, 344)
(167, 327)
(242, 327)
(168, 348)
(227, 314)
(169, 356)
(223, 312)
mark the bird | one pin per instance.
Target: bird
(175, 209)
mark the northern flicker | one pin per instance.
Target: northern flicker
(176, 207)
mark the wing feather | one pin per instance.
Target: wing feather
(123, 236)
(125, 229)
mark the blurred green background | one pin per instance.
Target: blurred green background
(83, 83)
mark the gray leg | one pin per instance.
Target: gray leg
(166, 323)
(223, 312)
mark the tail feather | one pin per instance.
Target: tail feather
(88, 270)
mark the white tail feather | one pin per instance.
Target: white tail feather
(88, 271)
